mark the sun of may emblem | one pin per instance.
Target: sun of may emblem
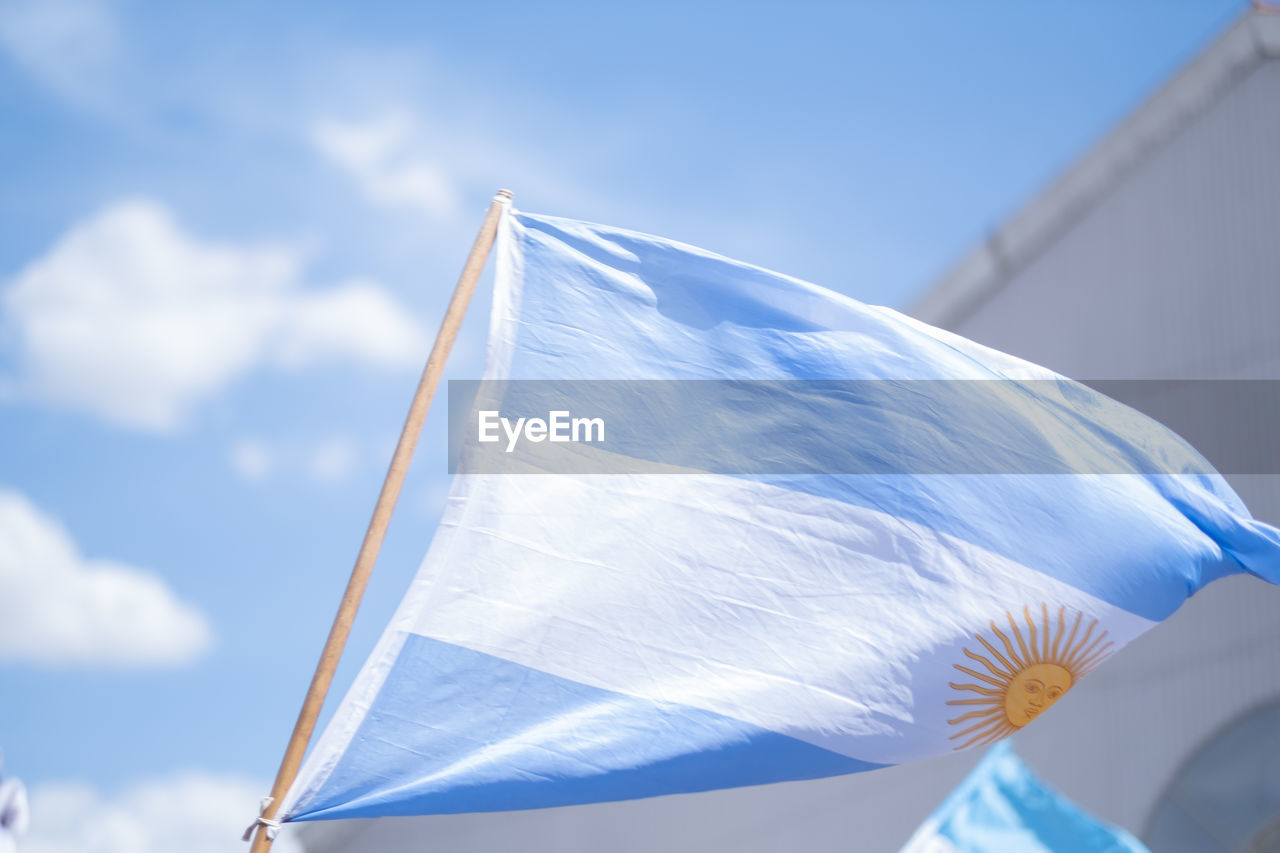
(1026, 674)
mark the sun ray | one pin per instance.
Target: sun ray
(981, 677)
(1002, 729)
(1001, 732)
(1074, 627)
(1093, 649)
(977, 689)
(998, 734)
(991, 737)
(995, 721)
(1031, 632)
(1085, 672)
(1044, 653)
(1019, 659)
(1017, 634)
(990, 713)
(992, 701)
(1083, 640)
(1008, 666)
(1084, 653)
(1008, 646)
(1088, 664)
(992, 668)
(1062, 629)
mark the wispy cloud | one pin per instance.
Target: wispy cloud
(194, 812)
(251, 459)
(413, 153)
(357, 321)
(332, 460)
(59, 608)
(384, 158)
(325, 461)
(131, 318)
(69, 45)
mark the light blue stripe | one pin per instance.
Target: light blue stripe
(475, 748)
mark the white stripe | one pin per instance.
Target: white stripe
(828, 622)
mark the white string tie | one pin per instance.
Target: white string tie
(273, 826)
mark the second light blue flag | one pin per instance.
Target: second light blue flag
(1002, 807)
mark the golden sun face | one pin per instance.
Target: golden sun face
(1033, 690)
(1021, 676)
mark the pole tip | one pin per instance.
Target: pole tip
(503, 194)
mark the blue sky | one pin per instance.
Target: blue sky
(228, 231)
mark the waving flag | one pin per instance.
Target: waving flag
(1001, 807)
(596, 635)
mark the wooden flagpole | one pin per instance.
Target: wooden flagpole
(368, 555)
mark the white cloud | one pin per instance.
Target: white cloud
(251, 459)
(331, 460)
(59, 608)
(383, 158)
(325, 461)
(133, 319)
(70, 45)
(436, 497)
(358, 321)
(193, 812)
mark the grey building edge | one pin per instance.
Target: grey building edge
(980, 274)
(1155, 256)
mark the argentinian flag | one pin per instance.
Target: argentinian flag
(1002, 807)
(574, 638)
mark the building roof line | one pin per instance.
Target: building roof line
(985, 269)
